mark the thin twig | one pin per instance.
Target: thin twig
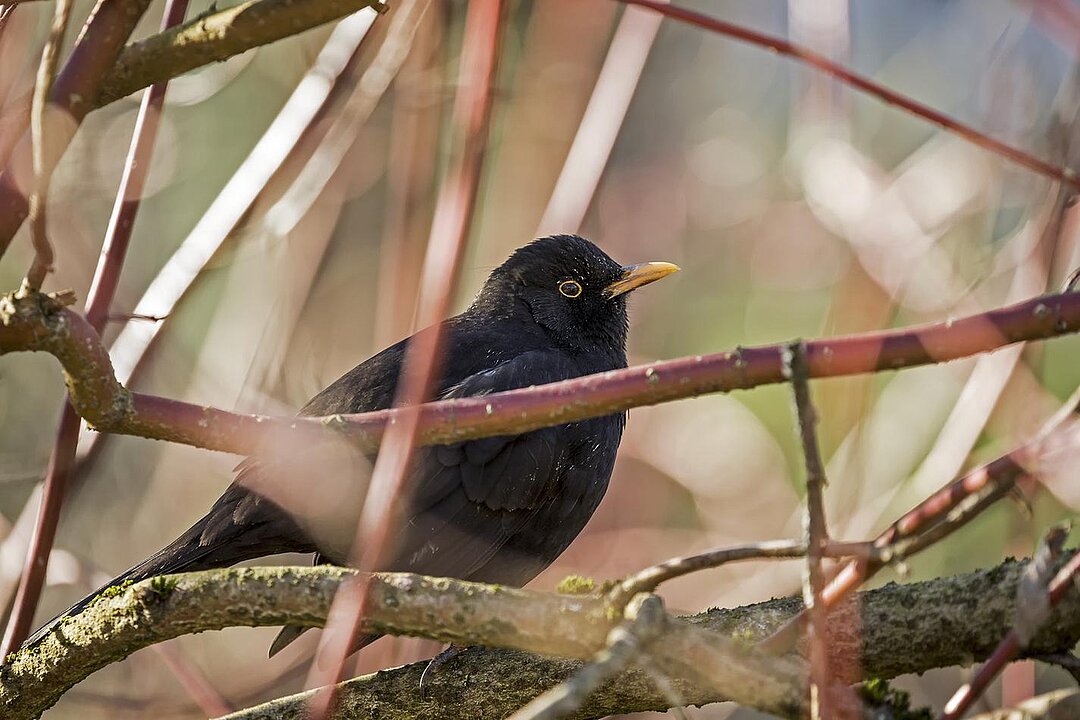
(816, 531)
(645, 621)
(822, 63)
(39, 137)
(1056, 705)
(650, 578)
(1035, 597)
(449, 233)
(938, 516)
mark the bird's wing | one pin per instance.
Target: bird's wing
(467, 500)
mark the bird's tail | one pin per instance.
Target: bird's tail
(217, 540)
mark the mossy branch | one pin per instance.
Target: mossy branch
(887, 632)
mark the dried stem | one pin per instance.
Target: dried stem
(822, 63)
(815, 529)
(39, 136)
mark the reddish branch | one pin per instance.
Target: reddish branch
(449, 232)
(1012, 644)
(102, 289)
(816, 532)
(939, 515)
(76, 86)
(38, 323)
(865, 84)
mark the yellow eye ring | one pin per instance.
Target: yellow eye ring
(570, 288)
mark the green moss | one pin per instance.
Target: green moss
(114, 590)
(745, 639)
(163, 585)
(877, 693)
(576, 585)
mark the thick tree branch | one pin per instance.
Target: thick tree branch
(449, 610)
(33, 322)
(887, 632)
(217, 35)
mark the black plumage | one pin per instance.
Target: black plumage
(497, 509)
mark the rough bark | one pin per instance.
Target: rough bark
(891, 631)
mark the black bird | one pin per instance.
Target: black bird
(495, 510)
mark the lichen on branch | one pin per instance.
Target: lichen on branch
(889, 631)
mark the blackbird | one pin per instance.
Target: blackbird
(497, 509)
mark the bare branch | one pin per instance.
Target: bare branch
(102, 289)
(1026, 621)
(449, 610)
(650, 578)
(37, 323)
(217, 35)
(942, 513)
(645, 620)
(40, 129)
(816, 532)
(866, 85)
(94, 54)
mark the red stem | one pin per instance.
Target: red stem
(449, 233)
(73, 92)
(567, 401)
(1007, 649)
(102, 289)
(813, 59)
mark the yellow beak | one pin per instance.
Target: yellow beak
(634, 276)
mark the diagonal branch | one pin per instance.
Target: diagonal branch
(217, 35)
(820, 62)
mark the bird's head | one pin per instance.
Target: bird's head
(572, 289)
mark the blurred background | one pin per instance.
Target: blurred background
(796, 207)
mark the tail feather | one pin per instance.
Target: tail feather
(240, 526)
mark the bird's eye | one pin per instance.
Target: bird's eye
(570, 288)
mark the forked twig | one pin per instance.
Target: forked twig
(645, 621)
